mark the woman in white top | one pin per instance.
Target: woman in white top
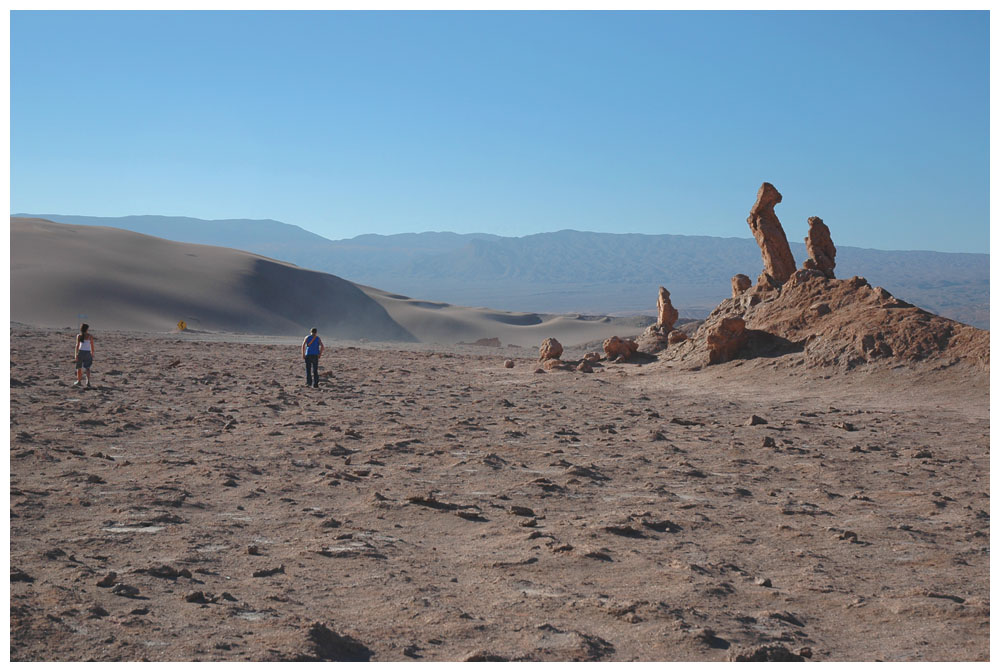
(83, 355)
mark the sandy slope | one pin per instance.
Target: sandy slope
(434, 322)
(201, 504)
(125, 280)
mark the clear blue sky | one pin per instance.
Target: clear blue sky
(510, 123)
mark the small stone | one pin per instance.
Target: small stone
(97, 611)
(768, 442)
(755, 420)
(108, 580)
(125, 590)
(196, 597)
(508, 364)
(761, 581)
(20, 576)
(254, 550)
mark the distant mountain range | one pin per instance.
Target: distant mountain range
(569, 271)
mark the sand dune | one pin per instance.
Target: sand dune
(124, 280)
(445, 323)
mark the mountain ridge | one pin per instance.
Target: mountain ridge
(572, 271)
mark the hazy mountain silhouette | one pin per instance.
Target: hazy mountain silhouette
(571, 271)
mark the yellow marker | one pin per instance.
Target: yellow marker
(182, 325)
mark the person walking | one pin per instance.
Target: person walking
(312, 349)
(83, 354)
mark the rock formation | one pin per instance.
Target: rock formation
(778, 261)
(665, 311)
(652, 340)
(820, 248)
(741, 283)
(615, 347)
(726, 339)
(676, 336)
(551, 349)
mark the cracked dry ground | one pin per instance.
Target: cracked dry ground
(201, 504)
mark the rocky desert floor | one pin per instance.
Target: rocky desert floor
(426, 503)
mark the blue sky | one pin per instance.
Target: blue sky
(510, 123)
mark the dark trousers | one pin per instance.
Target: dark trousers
(312, 369)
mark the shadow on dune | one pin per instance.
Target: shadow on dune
(331, 304)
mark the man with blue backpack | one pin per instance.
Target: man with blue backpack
(312, 348)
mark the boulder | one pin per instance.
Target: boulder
(615, 347)
(551, 349)
(592, 357)
(819, 246)
(726, 339)
(652, 340)
(778, 261)
(666, 313)
(584, 367)
(676, 336)
(553, 364)
(741, 283)
(508, 364)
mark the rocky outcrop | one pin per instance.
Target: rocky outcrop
(778, 261)
(551, 349)
(819, 246)
(741, 283)
(726, 339)
(615, 347)
(666, 313)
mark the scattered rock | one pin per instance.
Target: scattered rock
(196, 597)
(508, 364)
(20, 576)
(125, 590)
(166, 572)
(269, 572)
(768, 653)
(708, 636)
(97, 611)
(550, 349)
(321, 644)
(615, 348)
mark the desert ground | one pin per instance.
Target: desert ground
(427, 503)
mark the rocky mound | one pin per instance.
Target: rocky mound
(838, 322)
(831, 321)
